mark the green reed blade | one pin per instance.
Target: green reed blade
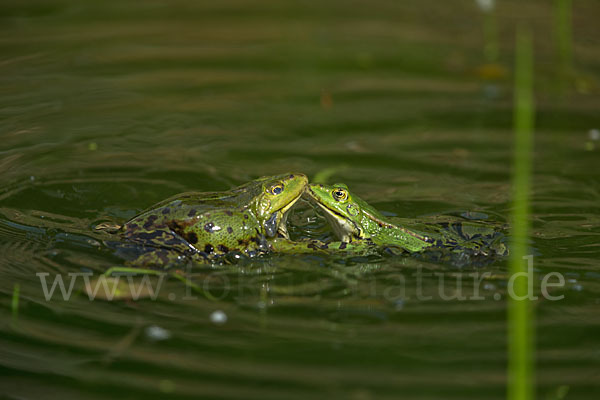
(520, 315)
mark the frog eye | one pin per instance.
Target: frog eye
(340, 194)
(277, 189)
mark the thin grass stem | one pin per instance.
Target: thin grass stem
(520, 314)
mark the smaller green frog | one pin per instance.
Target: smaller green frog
(203, 227)
(355, 221)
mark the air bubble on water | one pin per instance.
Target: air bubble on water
(93, 242)
(577, 288)
(594, 134)
(218, 317)
(399, 304)
(32, 178)
(155, 332)
(572, 280)
(485, 5)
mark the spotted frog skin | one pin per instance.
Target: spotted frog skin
(355, 221)
(206, 226)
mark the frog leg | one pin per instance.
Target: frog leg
(281, 245)
(353, 248)
(163, 247)
(175, 251)
(165, 258)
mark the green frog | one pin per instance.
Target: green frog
(203, 227)
(362, 227)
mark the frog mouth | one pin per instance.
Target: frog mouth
(276, 224)
(344, 228)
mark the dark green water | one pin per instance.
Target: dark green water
(109, 107)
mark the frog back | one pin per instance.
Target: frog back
(189, 204)
(382, 230)
(219, 232)
(212, 232)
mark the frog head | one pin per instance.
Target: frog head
(273, 197)
(349, 216)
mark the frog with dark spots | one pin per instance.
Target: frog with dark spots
(205, 226)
